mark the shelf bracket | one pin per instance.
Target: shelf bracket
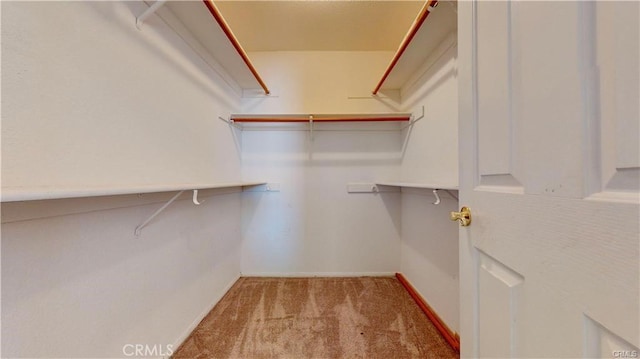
(435, 193)
(414, 120)
(152, 9)
(195, 198)
(229, 122)
(144, 224)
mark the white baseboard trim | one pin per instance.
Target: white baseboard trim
(318, 274)
(198, 319)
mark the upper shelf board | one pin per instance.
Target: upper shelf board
(419, 185)
(387, 117)
(205, 23)
(411, 55)
(15, 194)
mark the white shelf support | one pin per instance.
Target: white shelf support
(229, 122)
(152, 9)
(359, 187)
(144, 224)
(414, 120)
(195, 198)
(265, 187)
(311, 127)
(435, 193)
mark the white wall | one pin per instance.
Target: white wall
(334, 82)
(429, 259)
(432, 147)
(90, 100)
(82, 285)
(429, 256)
(313, 226)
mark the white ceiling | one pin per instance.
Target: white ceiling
(319, 25)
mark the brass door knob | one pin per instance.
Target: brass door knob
(464, 216)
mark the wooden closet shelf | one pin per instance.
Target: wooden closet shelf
(423, 38)
(15, 194)
(321, 118)
(204, 22)
(449, 187)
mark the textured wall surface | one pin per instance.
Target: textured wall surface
(429, 239)
(87, 100)
(313, 225)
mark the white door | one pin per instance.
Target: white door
(549, 128)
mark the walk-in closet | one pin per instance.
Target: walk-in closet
(320, 179)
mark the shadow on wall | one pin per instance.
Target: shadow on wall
(236, 135)
(61, 241)
(436, 240)
(433, 78)
(60, 269)
(391, 203)
(171, 50)
(369, 145)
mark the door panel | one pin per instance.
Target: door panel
(601, 343)
(503, 290)
(615, 125)
(549, 264)
(550, 101)
(494, 84)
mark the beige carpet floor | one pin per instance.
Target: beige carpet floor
(364, 317)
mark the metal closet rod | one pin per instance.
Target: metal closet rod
(417, 23)
(227, 31)
(322, 119)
